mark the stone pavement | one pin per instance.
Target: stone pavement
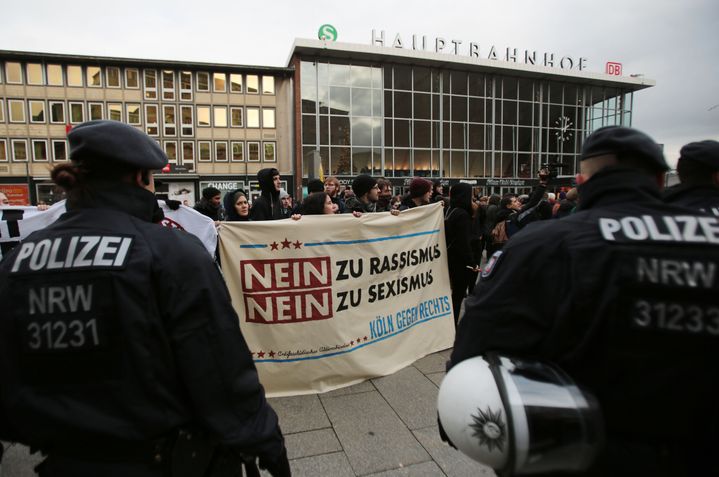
(384, 427)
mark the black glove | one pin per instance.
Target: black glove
(443, 435)
(278, 466)
(173, 204)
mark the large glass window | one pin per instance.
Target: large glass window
(171, 151)
(205, 148)
(253, 152)
(34, 74)
(187, 128)
(188, 154)
(238, 151)
(269, 150)
(54, 75)
(236, 117)
(221, 151)
(169, 114)
(203, 81)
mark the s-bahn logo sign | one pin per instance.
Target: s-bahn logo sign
(327, 32)
(473, 50)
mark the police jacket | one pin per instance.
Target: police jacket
(117, 331)
(623, 296)
(704, 198)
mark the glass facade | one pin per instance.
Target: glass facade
(399, 120)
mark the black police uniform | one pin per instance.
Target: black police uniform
(116, 332)
(623, 296)
(703, 197)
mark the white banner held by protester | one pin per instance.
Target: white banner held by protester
(329, 301)
(19, 222)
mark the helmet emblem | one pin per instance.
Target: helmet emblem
(489, 428)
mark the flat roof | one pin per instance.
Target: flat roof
(138, 62)
(384, 54)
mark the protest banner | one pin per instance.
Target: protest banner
(16, 223)
(328, 301)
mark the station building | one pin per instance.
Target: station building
(487, 117)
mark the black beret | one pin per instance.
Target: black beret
(624, 143)
(116, 142)
(363, 184)
(704, 152)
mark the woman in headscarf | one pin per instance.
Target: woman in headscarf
(237, 207)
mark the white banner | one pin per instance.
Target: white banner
(19, 222)
(332, 300)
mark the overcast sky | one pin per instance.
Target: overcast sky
(675, 43)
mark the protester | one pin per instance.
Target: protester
(237, 207)
(365, 196)
(591, 293)
(332, 187)
(318, 203)
(420, 191)
(267, 206)
(437, 191)
(286, 204)
(385, 195)
(211, 204)
(698, 170)
(146, 369)
(461, 261)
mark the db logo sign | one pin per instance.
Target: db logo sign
(613, 69)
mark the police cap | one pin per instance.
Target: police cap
(704, 152)
(116, 142)
(624, 143)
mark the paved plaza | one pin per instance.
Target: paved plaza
(384, 427)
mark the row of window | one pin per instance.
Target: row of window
(38, 112)
(168, 82)
(184, 153)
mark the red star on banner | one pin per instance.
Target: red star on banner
(359, 340)
(365, 338)
(297, 244)
(272, 354)
(274, 245)
(261, 354)
(352, 343)
(286, 243)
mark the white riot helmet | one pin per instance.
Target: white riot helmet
(519, 417)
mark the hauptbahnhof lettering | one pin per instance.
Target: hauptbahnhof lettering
(381, 109)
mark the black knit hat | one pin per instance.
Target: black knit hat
(100, 141)
(624, 143)
(210, 192)
(363, 184)
(704, 152)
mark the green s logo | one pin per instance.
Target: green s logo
(327, 32)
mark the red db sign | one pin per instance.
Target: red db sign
(613, 69)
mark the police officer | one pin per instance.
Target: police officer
(120, 352)
(623, 296)
(698, 169)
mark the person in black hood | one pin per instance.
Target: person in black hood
(461, 261)
(211, 204)
(268, 206)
